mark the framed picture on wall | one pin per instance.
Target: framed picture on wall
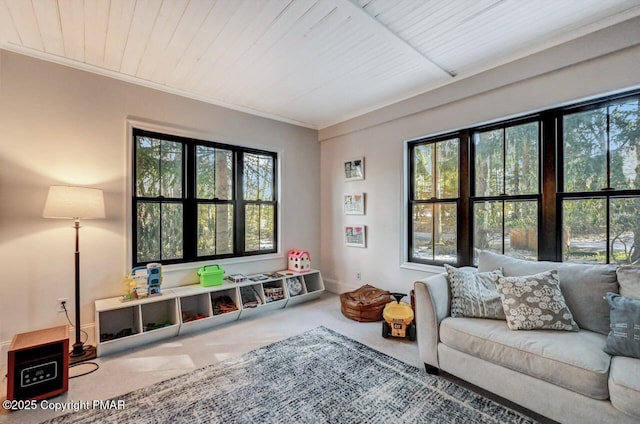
(353, 203)
(354, 169)
(355, 235)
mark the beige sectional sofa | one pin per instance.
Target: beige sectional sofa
(563, 375)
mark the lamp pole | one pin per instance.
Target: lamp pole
(66, 202)
(77, 346)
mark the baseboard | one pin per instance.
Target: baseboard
(337, 287)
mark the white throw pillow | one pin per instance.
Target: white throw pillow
(474, 294)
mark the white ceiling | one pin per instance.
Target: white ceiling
(310, 62)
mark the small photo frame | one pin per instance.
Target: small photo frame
(355, 235)
(354, 169)
(353, 203)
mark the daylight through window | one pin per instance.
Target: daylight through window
(563, 184)
(196, 200)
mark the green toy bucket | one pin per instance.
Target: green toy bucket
(210, 276)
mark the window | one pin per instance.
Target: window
(259, 207)
(563, 184)
(505, 201)
(159, 202)
(196, 200)
(600, 203)
(214, 198)
(434, 200)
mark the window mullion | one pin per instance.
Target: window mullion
(549, 246)
(434, 166)
(466, 177)
(504, 182)
(433, 231)
(160, 205)
(608, 138)
(189, 201)
(160, 229)
(608, 228)
(215, 227)
(504, 172)
(411, 202)
(239, 210)
(259, 226)
(503, 220)
(434, 196)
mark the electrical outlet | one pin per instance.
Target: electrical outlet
(63, 301)
(358, 276)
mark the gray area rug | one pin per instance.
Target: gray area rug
(317, 377)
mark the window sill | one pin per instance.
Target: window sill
(435, 269)
(188, 266)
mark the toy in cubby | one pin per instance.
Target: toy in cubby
(154, 278)
(143, 281)
(130, 292)
(188, 316)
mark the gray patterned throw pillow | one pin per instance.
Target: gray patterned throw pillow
(474, 294)
(535, 302)
(624, 337)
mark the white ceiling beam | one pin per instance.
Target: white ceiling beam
(391, 37)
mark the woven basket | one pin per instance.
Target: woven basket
(364, 304)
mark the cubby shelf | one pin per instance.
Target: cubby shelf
(180, 310)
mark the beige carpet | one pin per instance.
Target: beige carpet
(128, 371)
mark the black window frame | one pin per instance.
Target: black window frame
(461, 201)
(607, 193)
(503, 197)
(550, 179)
(190, 201)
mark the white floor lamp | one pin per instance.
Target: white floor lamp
(76, 203)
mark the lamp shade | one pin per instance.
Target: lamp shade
(74, 202)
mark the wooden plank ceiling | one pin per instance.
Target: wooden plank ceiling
(309, 62)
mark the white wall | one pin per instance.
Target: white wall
(64, 126)
(601, 63)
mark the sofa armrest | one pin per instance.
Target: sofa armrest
(432, 306)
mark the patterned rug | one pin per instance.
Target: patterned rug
(317, 377)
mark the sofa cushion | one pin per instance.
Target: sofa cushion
(629, 280)
(584, 286)
(535, 302)
(624, 385)
(474, 294)
(624, 337)
(575, 361)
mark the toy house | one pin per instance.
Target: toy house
(299, 261)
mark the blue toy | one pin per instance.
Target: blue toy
(153, 279)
